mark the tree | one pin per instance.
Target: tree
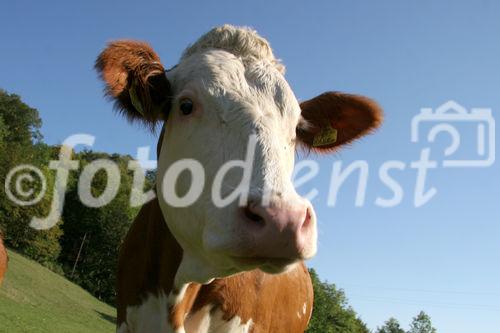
(21, 144)
(390, 326)
(422, 324)
(21, 121)
(103, 228)
(99, 232)
(331, 311)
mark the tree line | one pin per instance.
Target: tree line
(333, 314)
(83, 246)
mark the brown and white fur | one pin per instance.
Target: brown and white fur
(237, 267)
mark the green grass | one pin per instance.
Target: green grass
(35, 299)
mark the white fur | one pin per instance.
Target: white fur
(302, 312)
(240, 41)
(123, 328)
(232, 75)
(150, 316)
(208, 321)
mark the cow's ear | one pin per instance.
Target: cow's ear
(135, 79)
(333, 119)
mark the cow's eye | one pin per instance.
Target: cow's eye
(186, 106)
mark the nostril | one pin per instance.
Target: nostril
(251, 216)
(307, 219)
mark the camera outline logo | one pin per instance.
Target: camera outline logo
(451, 112)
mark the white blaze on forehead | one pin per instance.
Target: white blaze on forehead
(242, 92)
(239, 100)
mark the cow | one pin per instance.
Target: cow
(3, 259)
(237, 266)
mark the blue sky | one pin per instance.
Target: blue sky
(443, 257)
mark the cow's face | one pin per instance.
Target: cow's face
(233, 121)
(224, 111)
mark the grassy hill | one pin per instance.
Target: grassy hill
(34, 299)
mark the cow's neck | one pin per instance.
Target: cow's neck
(164, 269)
(191, 267)
(183, 291)
(177, 268)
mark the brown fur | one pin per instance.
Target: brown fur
(128, 64)
(352, 116)
(178, 313)
(148, 261)
(270, 301)
(150, 257)
(3, 259)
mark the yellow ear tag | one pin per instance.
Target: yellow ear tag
(326, 137)
(135, 100)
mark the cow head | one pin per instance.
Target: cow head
(226, 102)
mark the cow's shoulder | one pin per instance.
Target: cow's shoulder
(255, 302)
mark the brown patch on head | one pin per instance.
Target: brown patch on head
(135, 79)
(343, 117)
